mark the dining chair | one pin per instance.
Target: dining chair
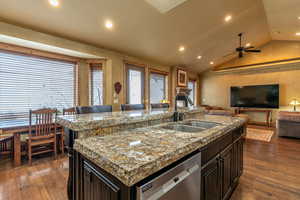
(129, 107)
(42, 133)
(93, 109)
(6, 145)
(159, 105)
(69, 111)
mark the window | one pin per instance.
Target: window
(193, 94)
(158, 87)
(96, 84)
(28, 82)
(135, 85)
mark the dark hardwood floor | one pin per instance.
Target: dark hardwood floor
(272, 171)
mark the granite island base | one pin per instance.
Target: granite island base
(109, 168)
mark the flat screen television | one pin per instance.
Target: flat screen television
(255, 96)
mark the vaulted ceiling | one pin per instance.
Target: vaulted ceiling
(141, 30)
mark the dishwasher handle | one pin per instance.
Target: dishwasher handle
(169, 185)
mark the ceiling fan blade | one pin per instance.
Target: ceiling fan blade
(253, 50)
(229, 54)
(251, 47)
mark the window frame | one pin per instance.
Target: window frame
(136, 67)
(100, 67)
(194, 90)
(166, 85)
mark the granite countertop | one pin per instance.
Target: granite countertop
(99, 120)
(133, 155)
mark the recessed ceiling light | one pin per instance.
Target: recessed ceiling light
(199, 57)
(299, 17)
(109, 24)
(298, 34)
(181, 48)
(248, 45)
(54, 3)
(211, 62)
(228, 18)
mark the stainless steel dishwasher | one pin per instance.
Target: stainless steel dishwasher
(181, 182)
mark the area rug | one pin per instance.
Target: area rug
(259, 134)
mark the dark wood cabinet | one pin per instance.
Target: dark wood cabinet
(210, 181)
(226, 164)
(222, 165)
(220, 175)
(96, 186)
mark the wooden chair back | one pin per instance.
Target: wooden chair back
(6, 145)
(69, 111)
(129, 107)
(42, 123)
(93, 109)
(159, 105)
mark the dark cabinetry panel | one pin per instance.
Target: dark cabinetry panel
(210, 181)
(226, 164)
(221, 173)
(96, 186)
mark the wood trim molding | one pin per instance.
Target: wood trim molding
(297, 59)
(136, 64)
(96, 61)
(152, 70)
(39, 53)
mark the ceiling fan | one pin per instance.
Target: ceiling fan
(241, 50)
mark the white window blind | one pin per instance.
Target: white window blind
(28, 82)
(158, 89)
(192, 86)
(96, 85)
(135, 85)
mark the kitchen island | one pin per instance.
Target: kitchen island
(116, 165)
(104, 124)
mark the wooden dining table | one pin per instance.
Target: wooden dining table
(15, 127)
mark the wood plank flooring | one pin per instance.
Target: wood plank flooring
(272, 172)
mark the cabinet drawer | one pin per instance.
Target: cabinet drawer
(237, 133)
(209, 151)
(225, 141)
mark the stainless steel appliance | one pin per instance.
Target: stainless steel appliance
(179, 183)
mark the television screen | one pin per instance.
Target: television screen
(256, 96)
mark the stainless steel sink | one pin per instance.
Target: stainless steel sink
(201, 124)
(183, 128)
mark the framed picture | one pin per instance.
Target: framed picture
(181, 78)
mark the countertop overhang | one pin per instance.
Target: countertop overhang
(134, 155)
(91, 121)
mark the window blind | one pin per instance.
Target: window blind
(192, 86)
(28, 82)
(96, 85)
(158, 88)
(135, 84)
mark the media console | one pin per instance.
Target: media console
(267, 112)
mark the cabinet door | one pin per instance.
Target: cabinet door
(235, 162)
(210, 181)
(98, 187)
(240, 157)
(226, 165)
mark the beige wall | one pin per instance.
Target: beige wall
(215, 86)
(113, 67)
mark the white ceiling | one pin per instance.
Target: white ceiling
(141, 30)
